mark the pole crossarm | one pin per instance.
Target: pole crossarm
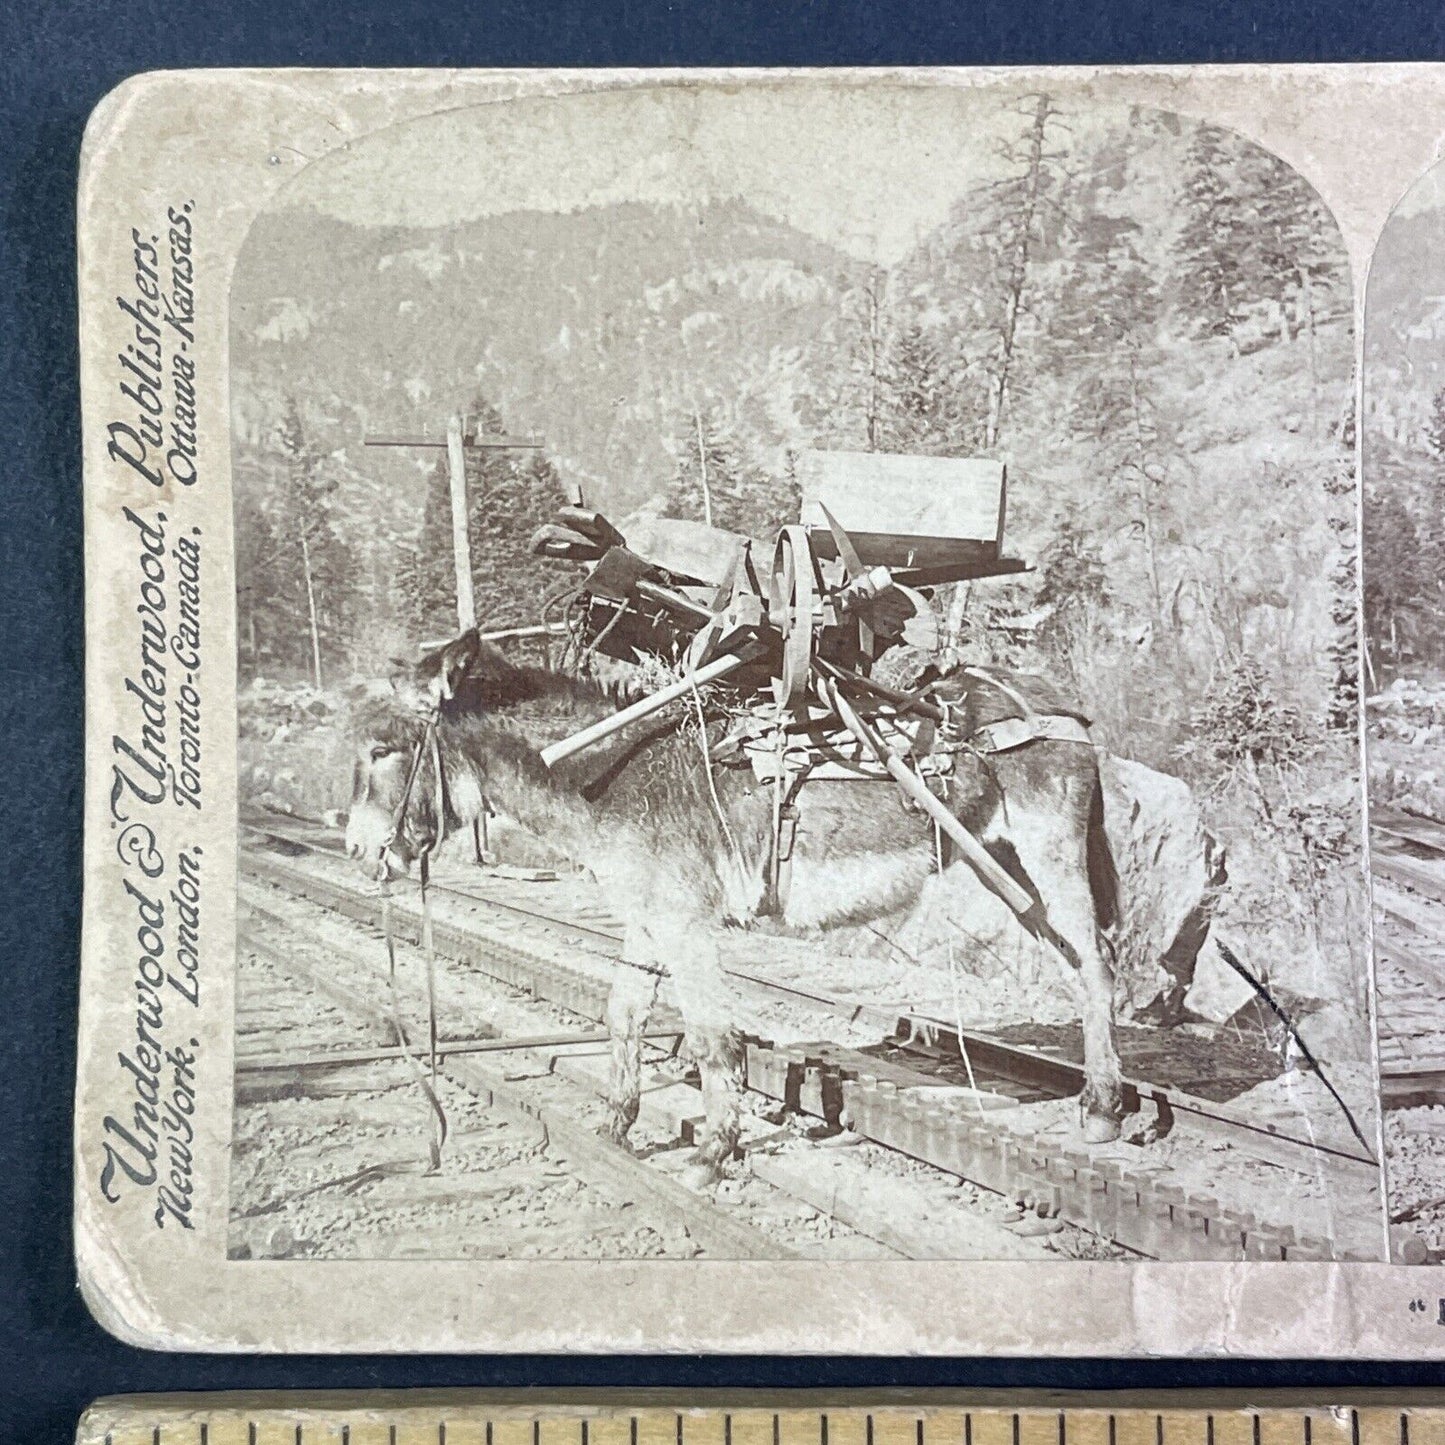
(480, 441)
(455, 441)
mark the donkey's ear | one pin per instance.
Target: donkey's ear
(453, 663)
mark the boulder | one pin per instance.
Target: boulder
(1171, 872)
(1217, 992)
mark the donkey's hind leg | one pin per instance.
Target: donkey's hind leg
(1051, 844)
(709, 1012)
(629, 1005)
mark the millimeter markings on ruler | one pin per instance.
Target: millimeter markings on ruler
(648, 1418)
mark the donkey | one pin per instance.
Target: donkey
(680, 846)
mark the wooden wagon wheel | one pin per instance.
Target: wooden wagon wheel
(793, 591)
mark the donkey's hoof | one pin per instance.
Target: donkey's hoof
(1100, 1129)
(700, 1175)
(616, 1133)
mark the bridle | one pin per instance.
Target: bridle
(428, 743)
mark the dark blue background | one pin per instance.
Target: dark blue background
(56, 61)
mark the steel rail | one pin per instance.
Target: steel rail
(724, 1236)
(1410, 872)
(1409, 828)
(937, 1126)
(1408, 1081)
(311, 1060)
(907, 1029)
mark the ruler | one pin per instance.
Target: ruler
(801, 1418)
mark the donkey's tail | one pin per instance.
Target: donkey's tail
(1103, 875)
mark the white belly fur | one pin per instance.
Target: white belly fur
(466, 797)
(835, 891)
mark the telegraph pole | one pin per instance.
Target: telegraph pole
(460, 437)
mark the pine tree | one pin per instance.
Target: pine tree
(1344, 697)
(1290, 246)
(921, 395)
(1075, 588)
(1435, 426)
(1209, 285)
(1105, 321)
(313, 578)
(1403, 560)
(1018, 216)
(263, 633)
(1340, 498)
(715, 479)
(1104, 336)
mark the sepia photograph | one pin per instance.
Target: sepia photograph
(791, 710)
(1404, 605)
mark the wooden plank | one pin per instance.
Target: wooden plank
(274, 1062)
(1410, 872)
(559, 751)
(1412, 1090)
(886, 501)
(1428, 971)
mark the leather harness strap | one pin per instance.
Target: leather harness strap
(1002, 736)
(1030, 726)
(1013, 732)
(429, 741)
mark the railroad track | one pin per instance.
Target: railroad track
(1407, 861)
(925, 1218)
(954, 1054)
(565, 956)
(1409, 853)
(277, 1074)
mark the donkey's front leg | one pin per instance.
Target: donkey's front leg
(629, 1005)
(1054, 860)
(710, 1016)
(1101, 1104)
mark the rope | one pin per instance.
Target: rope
(590, 651)
(427, 941)
(1227, 954)
(958, 1025)
(434, 1150)
(953, 968)
(711, 782)
(428, 1085)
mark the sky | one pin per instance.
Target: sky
(1427, 194)
(869, 169)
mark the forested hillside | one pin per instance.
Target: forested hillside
(1148, 320)
(1404, 535)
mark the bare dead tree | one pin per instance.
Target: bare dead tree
(1145, 480)
(311, 610)
(702, 469)
(873, 343)
(1020, 252)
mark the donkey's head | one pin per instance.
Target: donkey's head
(397, 810)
